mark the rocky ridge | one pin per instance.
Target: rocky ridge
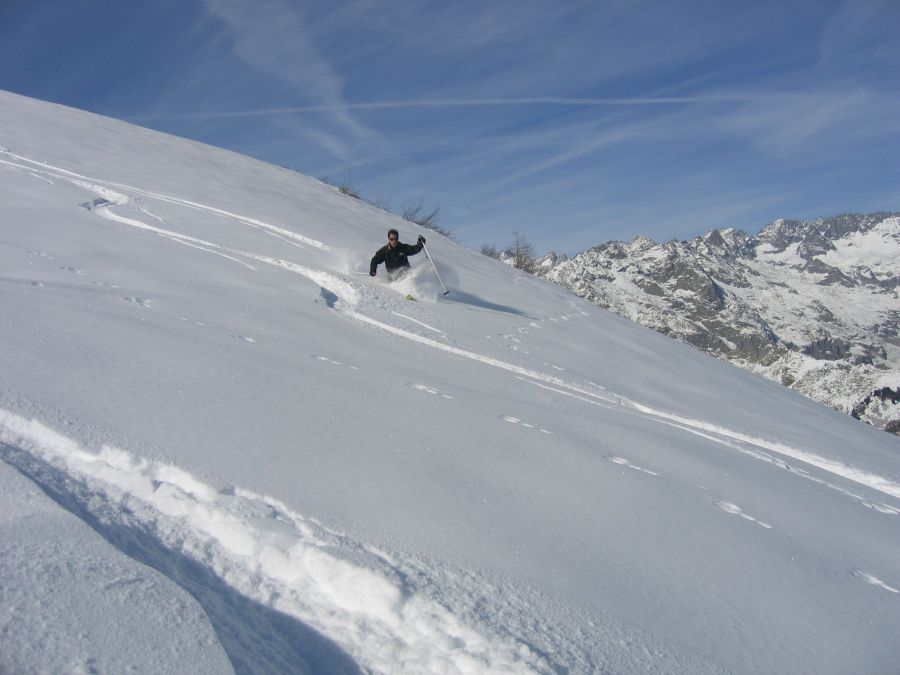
(813, 304)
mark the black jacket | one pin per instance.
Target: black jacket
(393, 258)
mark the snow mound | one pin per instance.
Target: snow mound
(266, 552)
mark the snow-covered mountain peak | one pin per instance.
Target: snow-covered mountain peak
(812, 304)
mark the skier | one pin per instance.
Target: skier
(394, 256)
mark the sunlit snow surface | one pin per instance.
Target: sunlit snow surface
(300, 470)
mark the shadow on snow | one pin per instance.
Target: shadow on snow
(256, 638)
(475, 301)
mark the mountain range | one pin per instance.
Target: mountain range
(811, 304)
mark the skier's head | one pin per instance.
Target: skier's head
(393, 237)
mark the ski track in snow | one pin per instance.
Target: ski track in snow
(346, 297)
(276, 557)
(711, 431)
(416, 321)
(257, 546)
(106, 191)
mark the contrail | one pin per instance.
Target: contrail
(460, 103)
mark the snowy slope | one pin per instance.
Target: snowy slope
(288, 465)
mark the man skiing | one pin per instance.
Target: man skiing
(394, 256)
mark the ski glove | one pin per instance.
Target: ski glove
(421, 239)
(371, 274)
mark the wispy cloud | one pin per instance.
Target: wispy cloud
(272, 36)
(872, 23)
(783, 124)
(562, 101)
(577, 117)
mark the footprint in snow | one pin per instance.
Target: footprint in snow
(880, 507)
(736, 510)
(621, 461)
(73, 270)
(527, 425)
(187, 320)
(874, 581)
(143, 302)
(428, 390)
(511, 342)
(41, 178)
(159, 219)
(325, 359)
(242, 337)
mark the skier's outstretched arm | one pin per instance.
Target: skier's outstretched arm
(412, 249)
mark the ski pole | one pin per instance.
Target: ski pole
(446, 292)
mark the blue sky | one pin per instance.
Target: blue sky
(570, 122)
